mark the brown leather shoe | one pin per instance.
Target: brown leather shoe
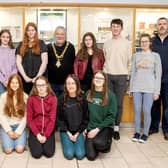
(166, 135)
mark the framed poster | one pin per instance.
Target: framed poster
(48, 20)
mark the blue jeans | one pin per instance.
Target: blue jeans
(58, 89)
(156, 110)
(73, 149)
(2, 88)
(142, 102)
(8, 143)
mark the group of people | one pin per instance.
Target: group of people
(85, 121)
(45, 87)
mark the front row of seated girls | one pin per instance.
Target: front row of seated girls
(85, 121)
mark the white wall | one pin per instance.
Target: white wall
(72, 26)
(12, 19)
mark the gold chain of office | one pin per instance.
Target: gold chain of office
(59, 57)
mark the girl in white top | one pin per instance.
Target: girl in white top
(12, 116)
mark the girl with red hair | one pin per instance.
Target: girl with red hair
(31, 57)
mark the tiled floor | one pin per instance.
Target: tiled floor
(124, 154)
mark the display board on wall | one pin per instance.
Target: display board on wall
(48, 20)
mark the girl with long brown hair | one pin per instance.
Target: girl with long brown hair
(32, 57)
(72, 118)
(102, 109)
(7, 57)
(88, 60)
(41, 116)
(12, 116)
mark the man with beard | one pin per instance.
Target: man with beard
(160, 45)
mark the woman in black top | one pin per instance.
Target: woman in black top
(31, 57)
(72, 118)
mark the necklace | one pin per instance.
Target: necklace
(59, 57)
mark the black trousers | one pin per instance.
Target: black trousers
(37, 149)
(156, 110)
(100, 143)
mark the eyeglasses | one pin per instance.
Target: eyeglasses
(98, 78)
(40, 85)
(145, 41)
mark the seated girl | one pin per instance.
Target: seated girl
(12, 116)
(102, 109)
(72, 118)
(41, 116)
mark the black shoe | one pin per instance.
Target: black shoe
(166, 135)
(136, 137)
(143, 138)
(152, 131)
(116, 135)
(106, 150)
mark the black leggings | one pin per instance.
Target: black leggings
(100, 143)
(37, 149)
